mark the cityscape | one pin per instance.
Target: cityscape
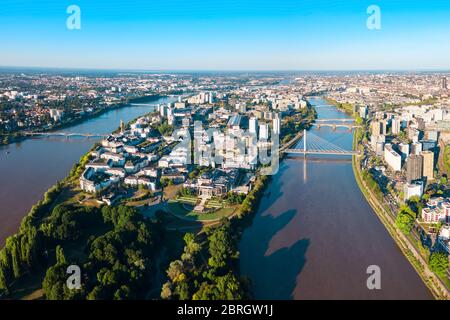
(122, 180)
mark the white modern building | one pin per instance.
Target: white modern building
(276, 125)
(253, 125)
(413, 189)
(264, 131)
(393, 159)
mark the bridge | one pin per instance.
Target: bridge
(143, 104)
(313, 144)
(66, 134)
(336, 123)
(336, 120)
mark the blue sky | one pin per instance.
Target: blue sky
(226, 35)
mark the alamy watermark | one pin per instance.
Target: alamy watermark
(74, 280)
(374, 19)
(374, 280)
(237, 148)
(73, 21)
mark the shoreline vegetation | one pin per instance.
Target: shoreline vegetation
(16, 137)
(117, 245)
(409, 250)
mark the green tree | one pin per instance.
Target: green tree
(166, 291)
(405, 219)
(439, 263)
(54, 282)
(220, 247)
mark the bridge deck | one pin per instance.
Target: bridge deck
(330, 152)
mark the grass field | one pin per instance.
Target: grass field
(178, 209)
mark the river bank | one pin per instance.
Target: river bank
(313, 219)
(20, 136)
(409, 250)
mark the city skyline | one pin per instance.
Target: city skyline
(234, 36)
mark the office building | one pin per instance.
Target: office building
(395, 126)
(264, 131)
(363, 112)
(377, 128)
(414, 167)
(276, 125)
(428, 164)
(253, 125)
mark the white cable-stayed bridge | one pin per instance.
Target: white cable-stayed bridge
(313, 144)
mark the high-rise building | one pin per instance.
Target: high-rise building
(420, 124)
(444, 83)
(413, 189)
(393, 159)
(414, 167)
(211, 97)
(404, 150)
(253, 125)
(264, 131)
(395, 125)
(383, 127)
(162, 110)
(377, 128)
(416, 148)
(276, 125)
(428, 164)
(363, 111)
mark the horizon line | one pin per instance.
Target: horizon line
(188, 70)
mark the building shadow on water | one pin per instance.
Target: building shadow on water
(274, 191)
(273, 266)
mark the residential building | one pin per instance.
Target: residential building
(393, 159)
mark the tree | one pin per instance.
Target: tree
(405, 220)
(229, 287)
(191, 248)
(123, 293)
(164, 181)
(166, 291)
(175, 271)
(220, 247)
(182, 290)
(54, 282)
(439, 263)
(60, 257)
(98, 293)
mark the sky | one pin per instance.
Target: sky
(226, 35)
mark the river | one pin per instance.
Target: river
(314, 234)
(31, 167)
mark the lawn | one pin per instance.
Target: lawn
(181, 211)
(447, 158)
